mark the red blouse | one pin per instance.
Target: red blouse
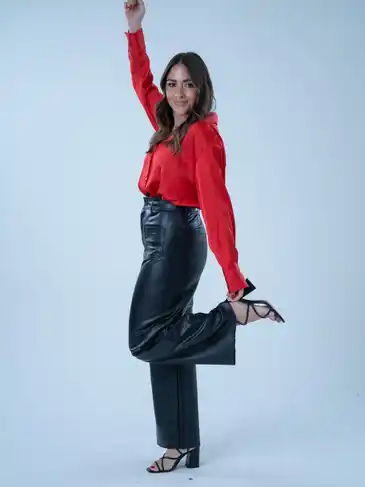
(195, 176)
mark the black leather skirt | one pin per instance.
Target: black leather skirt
(162, 327)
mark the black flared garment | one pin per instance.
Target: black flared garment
(162, 327)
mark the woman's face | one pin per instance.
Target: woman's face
(181, 93)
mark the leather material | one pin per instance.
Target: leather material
(162, 328)
(175, 402)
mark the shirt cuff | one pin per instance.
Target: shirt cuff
(136, 39)
(234, 278)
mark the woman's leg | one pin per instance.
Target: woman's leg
(175, 401)
(163, 330)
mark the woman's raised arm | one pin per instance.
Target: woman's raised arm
(142, 78)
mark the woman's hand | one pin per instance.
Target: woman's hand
(134, 12)
(235, 296)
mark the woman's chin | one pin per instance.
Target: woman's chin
(181, 110)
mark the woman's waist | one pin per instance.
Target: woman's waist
(158, 212)
(158, 203)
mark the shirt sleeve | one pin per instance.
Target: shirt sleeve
(142, 78)
(216, 206)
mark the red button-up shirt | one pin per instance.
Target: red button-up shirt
(194, 177)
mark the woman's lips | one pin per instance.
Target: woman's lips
(180, 103)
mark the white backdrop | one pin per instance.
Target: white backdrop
(289, 79)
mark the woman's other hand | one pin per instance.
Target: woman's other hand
(235, 296)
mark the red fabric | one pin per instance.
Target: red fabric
(195, 176)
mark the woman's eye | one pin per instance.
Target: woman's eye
(189, 84)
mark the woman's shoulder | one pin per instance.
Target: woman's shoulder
(206, 124)
(205, 130)
(204, 133)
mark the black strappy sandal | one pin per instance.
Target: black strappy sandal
(192, 461)
(258, 303)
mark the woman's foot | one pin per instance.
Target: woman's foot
(169, 460)
(247, 311)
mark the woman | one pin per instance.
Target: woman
(183, 175)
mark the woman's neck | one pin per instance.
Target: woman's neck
(179, 120)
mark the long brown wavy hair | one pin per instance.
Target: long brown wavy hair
(205, 102)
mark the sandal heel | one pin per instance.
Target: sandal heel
(193, 458)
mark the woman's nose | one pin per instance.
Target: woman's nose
(179, 92)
